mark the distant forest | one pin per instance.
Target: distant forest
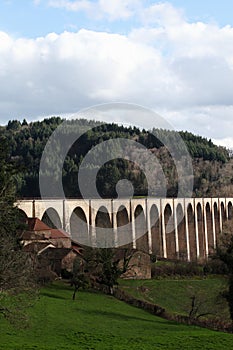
(213, 175)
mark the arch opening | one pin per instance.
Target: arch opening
(104, 232)
(230, 211)
(223, 211)
(79, 226)
(22, 216)
(201, 235)
(182, 254)
(216, 220)
(192, 233)
(141, 234)
(170, 233)
(51, 218)
(210, 233)
(124, 231)
(156, 237)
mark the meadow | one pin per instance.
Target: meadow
(174, 294)
(97, 321)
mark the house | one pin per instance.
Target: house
(53, 247)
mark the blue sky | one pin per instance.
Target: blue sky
(175, 57)
(31, 19)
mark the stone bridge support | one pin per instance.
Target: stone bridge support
(173, 228)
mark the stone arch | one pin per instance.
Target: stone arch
(192, 233)
(170, 232)
(230, 210)
(79, 226)
(201, 233)
(51, 218)
(141, 234)
(104, 237)
(216, 220)
(209, 228)
(123, 228)
(181, 232)
(157, 246)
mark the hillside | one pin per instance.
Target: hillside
(100, 322)
(213, 175)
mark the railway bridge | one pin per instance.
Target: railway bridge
(173, 228)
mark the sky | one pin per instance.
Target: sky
(176, 58)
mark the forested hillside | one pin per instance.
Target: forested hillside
(213, 166)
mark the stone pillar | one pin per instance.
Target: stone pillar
(213, 224)
(205, 231)
(196, 230)
(148, 223)
(133, 232)
(92, 228)
(163, 233)
(114, 225)
(226, 206)
(187, 231)
(133, 225)
(66, 217)
(176, 229)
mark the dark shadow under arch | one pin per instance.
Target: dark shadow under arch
(216, 221)
(141, 233)
(201, 235)
(51, 218)
(192, 233)
(170, 233)
(181, 232)
(124, 229)
(157, 246)
(230, 211)
(223, 211)
(210, 233)
(79, 226)
(22, 216)
(104, 232)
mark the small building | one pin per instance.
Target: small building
(53, 247)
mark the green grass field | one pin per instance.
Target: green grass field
(175, 294)
(96, 321)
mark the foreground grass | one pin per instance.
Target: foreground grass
(96, 321)
(175, 294)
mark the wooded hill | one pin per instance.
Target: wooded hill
(213, 165)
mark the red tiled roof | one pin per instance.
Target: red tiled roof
(35, 224)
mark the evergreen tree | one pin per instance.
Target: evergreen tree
(17, 282)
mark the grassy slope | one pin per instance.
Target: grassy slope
(174, 294)
(96, 321)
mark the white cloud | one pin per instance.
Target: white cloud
(110, 10)
(162, 14)
(227, 142)
(81, 5)
(182, 70)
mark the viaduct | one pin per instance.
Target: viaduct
(173, 228)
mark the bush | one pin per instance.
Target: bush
(216, 267)
(176, 268)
